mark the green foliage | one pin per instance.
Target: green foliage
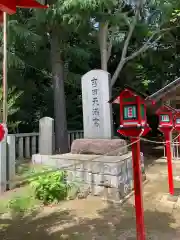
(175, 15)
(20, 204)
(77, 26)
(12, 103)
(51, 187)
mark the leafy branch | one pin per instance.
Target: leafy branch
(126, 43)
(150, 42)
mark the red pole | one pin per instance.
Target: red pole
(169, 162)
(140, 227)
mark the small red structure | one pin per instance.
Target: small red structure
(177, 121)
(9, 6)
(166, 118)
(133, 123)
(166, 126)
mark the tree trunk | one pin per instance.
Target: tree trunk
(61, 133)
(103, 38)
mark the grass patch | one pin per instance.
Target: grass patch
(20, 200)
(27, 171)
(3, 206)
(24, 198)
(21, 204)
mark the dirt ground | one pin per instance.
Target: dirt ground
(93, 219)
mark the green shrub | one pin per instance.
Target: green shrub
(50, 187)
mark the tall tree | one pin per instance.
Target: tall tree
(58, 26)
(116, 22)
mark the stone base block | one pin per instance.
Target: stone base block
(106, 193)
(172, 198)
(114, 147)
(110, 175)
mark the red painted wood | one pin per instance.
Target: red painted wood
(169, 162)
(29, 4)
(11, 5)
(8, 6)
(140, 226)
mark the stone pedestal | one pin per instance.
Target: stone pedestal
(110, 175)
(110, 147)
(95, 171)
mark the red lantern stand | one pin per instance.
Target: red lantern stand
(133, 123)
(166, 125)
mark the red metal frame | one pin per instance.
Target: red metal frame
(9, 6)
(166, 128)
(134, 128)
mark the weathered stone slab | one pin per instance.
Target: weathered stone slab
(11, 158)
(111, 147)
(111, 165)
(77, 161)
(46, 136)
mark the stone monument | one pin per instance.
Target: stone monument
(46, 136)
(97, 112)
(11, 159)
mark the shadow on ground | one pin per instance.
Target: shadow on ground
(151, 152)
(177, 191)
(111, 222)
